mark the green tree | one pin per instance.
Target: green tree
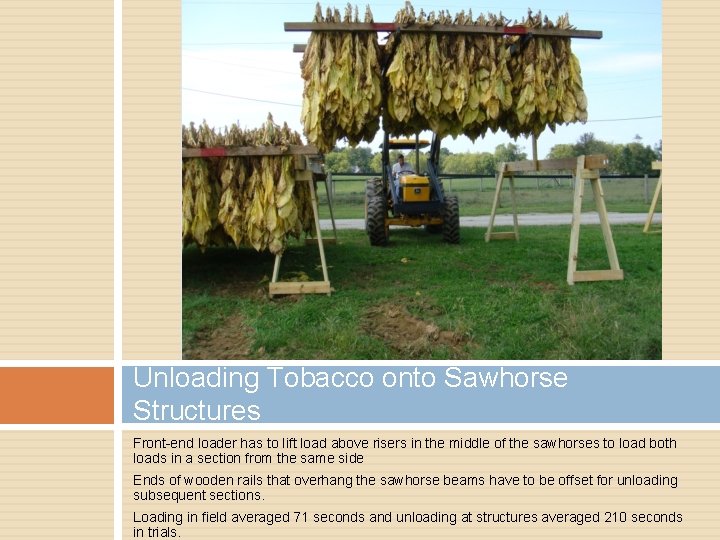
(505, 153)
(359, 159)
(658, 149)
(634, 159)
(587, 145)
(346, 160)
(376, 163)
(562, 151)
(336, 162)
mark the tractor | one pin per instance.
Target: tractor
(410, 199)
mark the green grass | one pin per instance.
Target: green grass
(500, 300)
(552, 196)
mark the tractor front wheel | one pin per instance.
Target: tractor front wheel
(373, 188)
(375, 221)
(451, 221)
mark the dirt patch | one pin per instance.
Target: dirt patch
(407, 334)
(242, 289)
(545, 286)
(231, 341)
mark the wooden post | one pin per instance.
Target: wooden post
(313, 197)
(578, 188)
(515, 234)
(498, 186)
(604, 221)
(657, 165)
(516, 228)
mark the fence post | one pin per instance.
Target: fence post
(647, 192)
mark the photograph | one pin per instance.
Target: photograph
(415, 181)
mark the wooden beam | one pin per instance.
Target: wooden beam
(578, 192)
(598, 161)
(657, 165)
(299, 47)
(300, 287)
(605, 223)
(509, 235)
(440, 29)
(598, 275)
(241, 151)
(496, 200)
(653, 204)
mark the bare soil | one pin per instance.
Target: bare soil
(407, 334)
(231, 341)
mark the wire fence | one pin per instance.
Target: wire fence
(534, 193)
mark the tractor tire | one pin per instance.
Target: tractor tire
(451, 221)
(375, 221)
(373, 188)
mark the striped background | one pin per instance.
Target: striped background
(56, 484)
(56, 180)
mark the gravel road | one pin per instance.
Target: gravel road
(589, 218)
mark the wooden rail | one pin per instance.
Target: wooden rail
(440, 29)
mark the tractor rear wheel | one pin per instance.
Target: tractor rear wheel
(451, 221)
(375, 221)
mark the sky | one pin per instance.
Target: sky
(238, 65)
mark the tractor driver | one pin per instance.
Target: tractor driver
(401, 167)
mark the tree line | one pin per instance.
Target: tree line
(633, 159)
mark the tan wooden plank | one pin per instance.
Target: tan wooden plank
(653, 204)
(598, 275)
(590, 174)
(328, 193)
(240, 151)
(516, 226)
(300, 287)
(318, 232)
(507, 235)
(605, 223)
(496, 200)
(657, 165)
(595, 161)
(579, 187)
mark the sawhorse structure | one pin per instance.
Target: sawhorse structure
(308, 168)
(586, 168)
(657, 166)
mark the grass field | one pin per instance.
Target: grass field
(545, 195)
(420, 298)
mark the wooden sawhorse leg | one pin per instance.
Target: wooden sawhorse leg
(573, 275)
(515, 235)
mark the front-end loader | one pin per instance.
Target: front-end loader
(408, 198)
